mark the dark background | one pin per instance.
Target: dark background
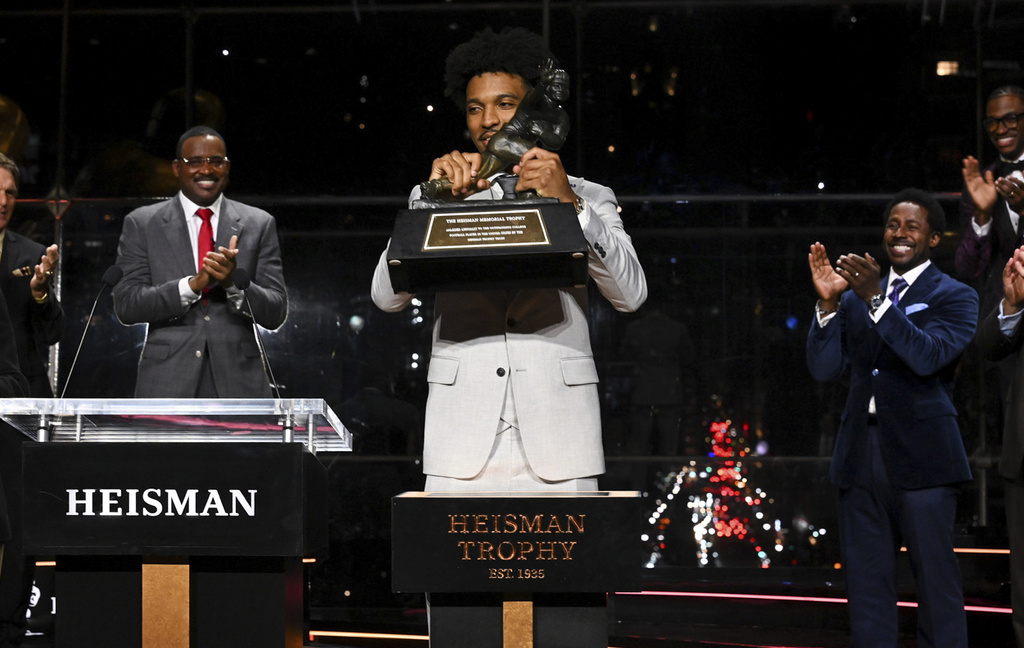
(331, 98)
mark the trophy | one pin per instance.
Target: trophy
(540, 120)
(521, 241)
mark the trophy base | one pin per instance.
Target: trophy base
(487, 245)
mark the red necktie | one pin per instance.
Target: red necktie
(205, 238)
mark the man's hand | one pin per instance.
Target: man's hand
(862, 273)
(198, 283)
(981, 188)
(827, 281)
(1012, 189)
(40, 281)
(1013, 283)
(220, 264)
(460, 169)
(541, 170)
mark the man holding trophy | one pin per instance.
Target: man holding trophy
(513, 401)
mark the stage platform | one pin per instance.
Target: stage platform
(717, 608)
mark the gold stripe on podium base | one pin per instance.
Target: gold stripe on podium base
(165, 604)
(517, 621)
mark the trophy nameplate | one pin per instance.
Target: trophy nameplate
(483, 245)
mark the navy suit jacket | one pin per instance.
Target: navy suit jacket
(155, 254)
(36, 326)
(907, 361)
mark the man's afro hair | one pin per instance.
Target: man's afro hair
(514, 50)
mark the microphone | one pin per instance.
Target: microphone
(241, 280)
(112, 275)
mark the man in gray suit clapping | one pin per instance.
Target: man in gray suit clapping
(179, 259)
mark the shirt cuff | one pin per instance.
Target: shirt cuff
(824, 319)
(187, 296)
(1008, 323)
(235, 296)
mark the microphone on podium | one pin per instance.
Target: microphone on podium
(112, 275)
(241, 280)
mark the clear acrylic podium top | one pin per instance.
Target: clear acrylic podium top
(265, 420)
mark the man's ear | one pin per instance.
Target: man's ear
(934, 239)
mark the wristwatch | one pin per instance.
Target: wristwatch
(580, 205)
(876, 302)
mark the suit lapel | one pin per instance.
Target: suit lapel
(1004, 224)
(175, 231)
(229, 224)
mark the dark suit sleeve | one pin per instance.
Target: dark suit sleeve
(48, 320)
(12, 383)
(267, 294)
(826, 355)
(136, 300)
(973, 254)
(944, 335)
(993, 344)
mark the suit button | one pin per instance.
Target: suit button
(511, 322)
(206, 317)
(874, 372)
(199, 354)
(501, 371)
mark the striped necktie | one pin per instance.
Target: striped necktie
(897, 286)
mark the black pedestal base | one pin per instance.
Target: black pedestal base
(560, 620)
(250, 601)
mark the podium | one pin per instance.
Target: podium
(518, 569)
(176, 522)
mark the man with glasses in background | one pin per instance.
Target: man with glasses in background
(993, 198)
(180, 259)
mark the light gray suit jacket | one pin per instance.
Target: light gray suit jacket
(155, 254)
(539, 340)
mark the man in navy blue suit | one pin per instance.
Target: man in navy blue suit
(899, 457)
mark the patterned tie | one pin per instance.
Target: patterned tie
(897, 285)
(205, 238)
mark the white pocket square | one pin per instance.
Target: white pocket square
(913, 308)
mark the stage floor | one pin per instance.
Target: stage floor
(712, 608)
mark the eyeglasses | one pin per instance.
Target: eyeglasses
(1008, 121)
(217, 162)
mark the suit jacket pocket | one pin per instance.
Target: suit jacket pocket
(442, 370)
(579, 371)
(156, 351)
